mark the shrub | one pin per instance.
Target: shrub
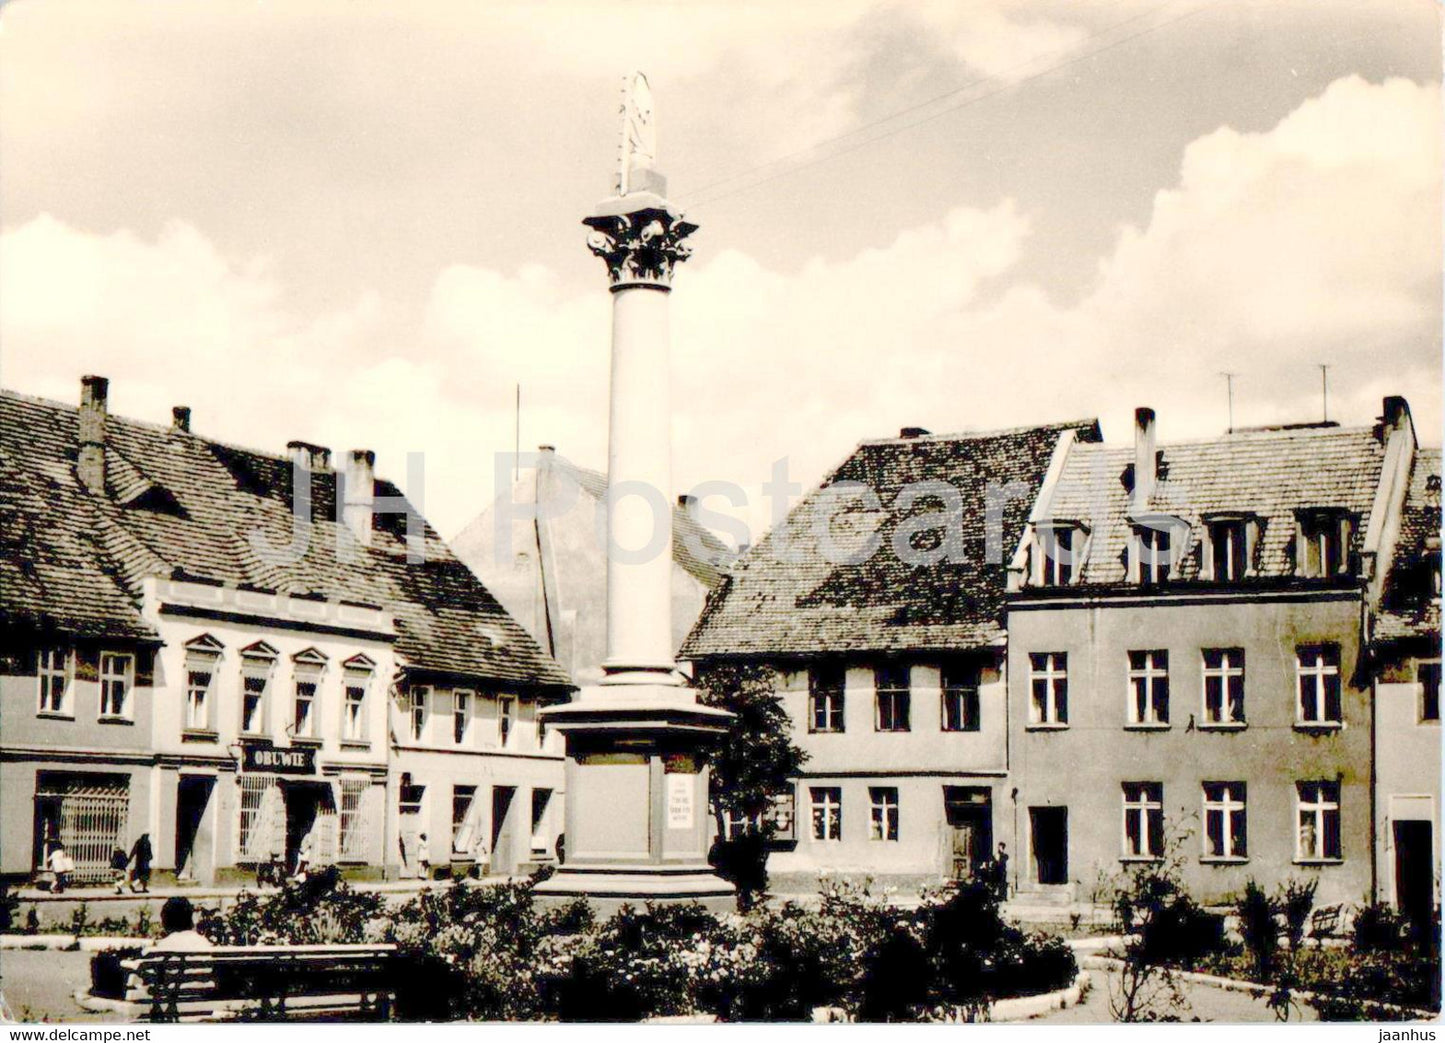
(107, 977)
(9, 907)
(1296, 900)
(320, 909)
(637, 964)
(1378, 928)
(468, 953)
(1259, 928)
(574, 917)
(897, 977)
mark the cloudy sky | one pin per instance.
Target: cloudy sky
(357, 223)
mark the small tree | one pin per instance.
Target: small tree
(754, 762)
(1162, 926)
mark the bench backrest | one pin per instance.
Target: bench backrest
(266, 979)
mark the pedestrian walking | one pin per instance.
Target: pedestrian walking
(119, 861)
(141, 856)
(423, 856)
(61, 866)
(304, 855)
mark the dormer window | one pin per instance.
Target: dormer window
(1324, 542)
(1227, 548)
(1157, 543)
(1058, 553)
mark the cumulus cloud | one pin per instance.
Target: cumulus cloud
(1315, 241)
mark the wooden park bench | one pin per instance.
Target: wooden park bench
(1325, 922)
(264, 983)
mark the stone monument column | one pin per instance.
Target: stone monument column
(637, 824)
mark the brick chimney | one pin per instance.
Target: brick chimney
(90, 461)
(308, 457)
(913, 432)
(360, 494)
(1146, 458)
(181, 418)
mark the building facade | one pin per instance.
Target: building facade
(210, 645)
(546, 564)
(880, 616)
(1405, 668)
(1188, 668)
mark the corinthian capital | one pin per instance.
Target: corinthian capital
(641, 247)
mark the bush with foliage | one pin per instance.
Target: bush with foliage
(490, 953)
(1379, 928)
(1258, 916)
(1296, 900)
(468, 953)
(318, 910)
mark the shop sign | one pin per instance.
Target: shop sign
(275, 760)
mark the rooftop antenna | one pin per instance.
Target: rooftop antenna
(517, 438)
(1229, 386)
(1325, 390)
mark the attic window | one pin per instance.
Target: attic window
(1229, 548)
(1323, 544)
(1058, 553)
(1157, 543)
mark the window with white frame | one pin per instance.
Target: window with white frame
(1428, 676)
(891, 693)
(827, 806)
(1153, 554)
(1318, 670)
(1318, 836)
(1228, 548)
(420, 707)
(1223, 686)
(117, 677)
(506, 719)
(1324, 539)
(1049, 688)
(357, 683)
(960, 698)
(461, 717)
(1149, 687)
(1143, 820)
(883, 813)
(825, 697)
(1225, 821)
(203, 657)
(256, 672)
(52, 671)
(200, 676)
(303, 702)
(1058, 550)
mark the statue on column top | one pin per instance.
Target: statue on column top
(639, 131)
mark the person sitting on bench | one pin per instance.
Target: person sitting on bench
(178, 920)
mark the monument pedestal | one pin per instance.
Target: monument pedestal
(638, 822)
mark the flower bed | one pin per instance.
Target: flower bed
(491, 953)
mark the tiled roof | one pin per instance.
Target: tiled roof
(1267, 474)
(784, 597)
(1410, 605)
(694, 546)
(179, 504)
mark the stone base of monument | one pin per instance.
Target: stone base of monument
(608, 889)
(638, 822)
